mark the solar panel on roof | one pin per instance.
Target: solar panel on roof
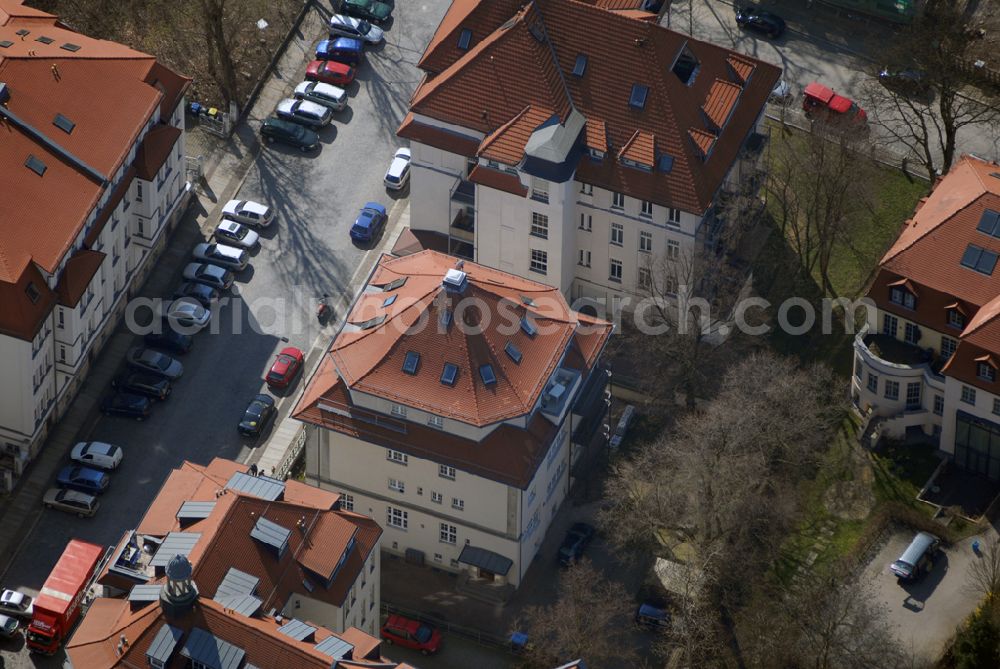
(514, 352)
(44, 40)
(144, 593)
(69, 46)
(207, 649)
(528, 327)
(979, 259)
(272, 534)
(195, 510)
(989, 223)
(163, 644)
(175, 543)
(237, 582)
(35, 165)
(486, 372)
(297, 629)
(335, 647)
(245, 605)
(412, 362)
(263, 487)
(580, 66)
(448, 374)
(63, 123)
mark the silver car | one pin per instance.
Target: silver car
(17, 604)
(154, 362)
(209, 275)
(348, 26)
(321, 93)
(71, 501)
(398, 174)
(233, 233)
(248, 212)
(187, 312)
(223, 255)
(9, 626)
(304, 112)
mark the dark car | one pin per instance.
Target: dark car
(293, 134)
(129, 405)
(138, 383)
(84, 479)
(369, 223)
(370, 10)
(198, 291)
(346, 50)
(906, 81)
(652, 617)
(259, 412)
(577, 539)
(170, 340)
(750, 17)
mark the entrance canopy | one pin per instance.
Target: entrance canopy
(485, 560)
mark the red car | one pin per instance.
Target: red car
(409, 633)
(330, 72)
(285, 367)
(820, 101)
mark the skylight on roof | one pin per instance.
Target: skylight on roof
(979, 259)
(22, 32)
(45, 40)
(665, 163)
(394, 284)
(464, 38)
(63, 123)
(528, 327)
(69, 46)
(638, 97)
(6, 43)
(449, 374)
(387, 302)
(446, 318)
(412, 362)
(580, 66)
(487, 374)
(372, 322)
(35, 165)
(527, 300)
(989, 223)
(513, 352)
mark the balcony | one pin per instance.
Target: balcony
(887, 356)
(464, 192)
(897, 352)
(463, 226)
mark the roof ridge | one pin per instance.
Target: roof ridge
(496, 134)
(893, 252)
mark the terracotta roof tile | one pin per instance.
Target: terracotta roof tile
(509, 183)
(442, 139)
(722, 97)
(482, 18)
(637, 14)
(116, 196)
(703, 139)
(21, 316)
(297, 492)
(596, 134)
(155, 149)
(641, 148)
(617, 4)
(742, 67)
(76, 276)
(506, 143)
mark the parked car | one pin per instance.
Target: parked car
(9, 626)
(71, 501)
(141, 383)
(751, 17)
(154, 362)
(370, 10)
(398, 174)
(279, 130)
(249, 212)
(84, 479)
(170, 340)
(199, 291)
(652, 617)
(333, 97)
(369, 223)
(348, 50)
(97, 454)
(235, 234)
(577, 539)
(349, 26)
(222, 255)
(186, 313)
(907, 81)
(410, 633)
(285, 367)
(258, 414)
(330, 72)
(305, 113)
(17, 604)
(822, 103)
(918, 558)
(210, 275)
(781, 93)
(128, 405)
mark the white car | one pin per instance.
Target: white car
(223, 255)
(187, 312)
(398, 174)
(321, 93)
(248, 212)
(209, 275)
(16, 604)
(348, 26)
(233, 233)
(97, 454)
(71, 501)
(304, 112)
(782, 93)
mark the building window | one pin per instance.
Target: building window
(60, 318)
(449, 534)
(996, 406)
(913, 395)
(645, 278)
(436, 421)
(857, 367)
(446, 472)
(62, 354)
(539, 190)
(889, 325)
(986, 372)
(586, 222)
(438, 557)
(948, 346)
(346, 502)
(539, 225)
(615, 271)
(955, 319)
(617, 201)
(674, 217)
(539, 261)
(645, 241)
(872, 382)
(673, 249)
(647, 209)
(396, 456)
(911, 333)
(938, 405)
(584, 258)
(891, 390)
(398, 410)
(587, 189)
(617, 234)
(969, 395)
(437, 497)
(902, 297)
(397, 485)
(138, 191)
(397, 518)
(457, 503)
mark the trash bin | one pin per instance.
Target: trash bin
(518, 642)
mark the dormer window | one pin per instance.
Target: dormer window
(986, 372)
(902, 297)
(597, 155)
(956, 319)
(686, 66)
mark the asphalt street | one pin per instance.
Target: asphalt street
(306, 253)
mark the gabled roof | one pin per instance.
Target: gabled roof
(506, 143)
(640, 148)
(79, 271)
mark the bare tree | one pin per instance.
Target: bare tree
(984, 573)
(588, 621)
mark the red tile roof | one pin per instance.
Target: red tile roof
(508, 68)
(155, 149)
(641, 148)
(509, 183)
(416, 131)
(703, 139)
(596, 134)
(80, 269)
(722, 97)
(506, 143)
(21, 316)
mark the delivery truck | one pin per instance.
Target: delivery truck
(57, 606)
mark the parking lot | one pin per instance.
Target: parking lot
(304, 254)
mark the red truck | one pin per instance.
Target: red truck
(57, 606)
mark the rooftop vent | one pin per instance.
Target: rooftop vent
(580, 66)
(455, 280)
(412, 362)
(63, 123)
(45, 40)
(513, 352)
(449, 374)
(464, 38)
(69, 46)
(35, 165)
(487, 374)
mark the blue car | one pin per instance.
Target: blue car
(84, 479)
(369, 223)
(347, 50)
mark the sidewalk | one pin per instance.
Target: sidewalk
(225, 165)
